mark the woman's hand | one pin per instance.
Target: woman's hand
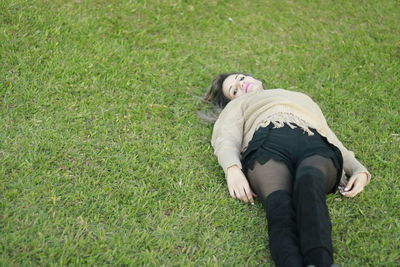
(356, 184)
(238, 185)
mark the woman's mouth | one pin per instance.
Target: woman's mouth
(247, 86)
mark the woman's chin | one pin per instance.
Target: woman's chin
(255, 88)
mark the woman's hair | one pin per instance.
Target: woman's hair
(215, 96)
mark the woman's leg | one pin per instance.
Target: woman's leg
(315, 176)
(273, 183)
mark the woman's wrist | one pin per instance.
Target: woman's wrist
(365, 174)
(233, 167)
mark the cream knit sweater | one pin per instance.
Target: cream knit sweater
(238, 121)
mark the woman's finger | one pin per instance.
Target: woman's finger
(251, 191)
(249, 194)
(232, 193)
(247, 198)
(350, 183)
(357, 188)
(350, 193)
(243, 195)
(238, 194)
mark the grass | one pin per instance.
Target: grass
(105, 162)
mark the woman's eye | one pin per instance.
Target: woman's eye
(241, 79)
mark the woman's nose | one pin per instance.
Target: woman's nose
(241, 85)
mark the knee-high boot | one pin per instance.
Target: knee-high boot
(312, 215)
(282, 229)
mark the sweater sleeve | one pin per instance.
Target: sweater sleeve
(351, 165)
(228, 135)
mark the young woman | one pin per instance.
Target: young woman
(276, 144)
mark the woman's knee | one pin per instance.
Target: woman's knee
(309, 178)
(278, 205)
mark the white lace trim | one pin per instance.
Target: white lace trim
(279, 120)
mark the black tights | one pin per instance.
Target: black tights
(275, 175)
(298, 221)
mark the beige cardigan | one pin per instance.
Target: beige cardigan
(238, 121)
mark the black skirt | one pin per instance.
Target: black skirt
(290, 146)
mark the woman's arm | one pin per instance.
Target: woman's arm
(359, 175)
(227, 141)
(228, 135)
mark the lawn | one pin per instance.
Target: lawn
(104, 160)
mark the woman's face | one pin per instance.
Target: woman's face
(237, 85)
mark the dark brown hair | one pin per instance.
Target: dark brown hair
(215, 94)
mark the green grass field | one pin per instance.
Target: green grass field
(105, 162)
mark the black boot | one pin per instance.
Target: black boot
(312, 217)
(282, 230)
